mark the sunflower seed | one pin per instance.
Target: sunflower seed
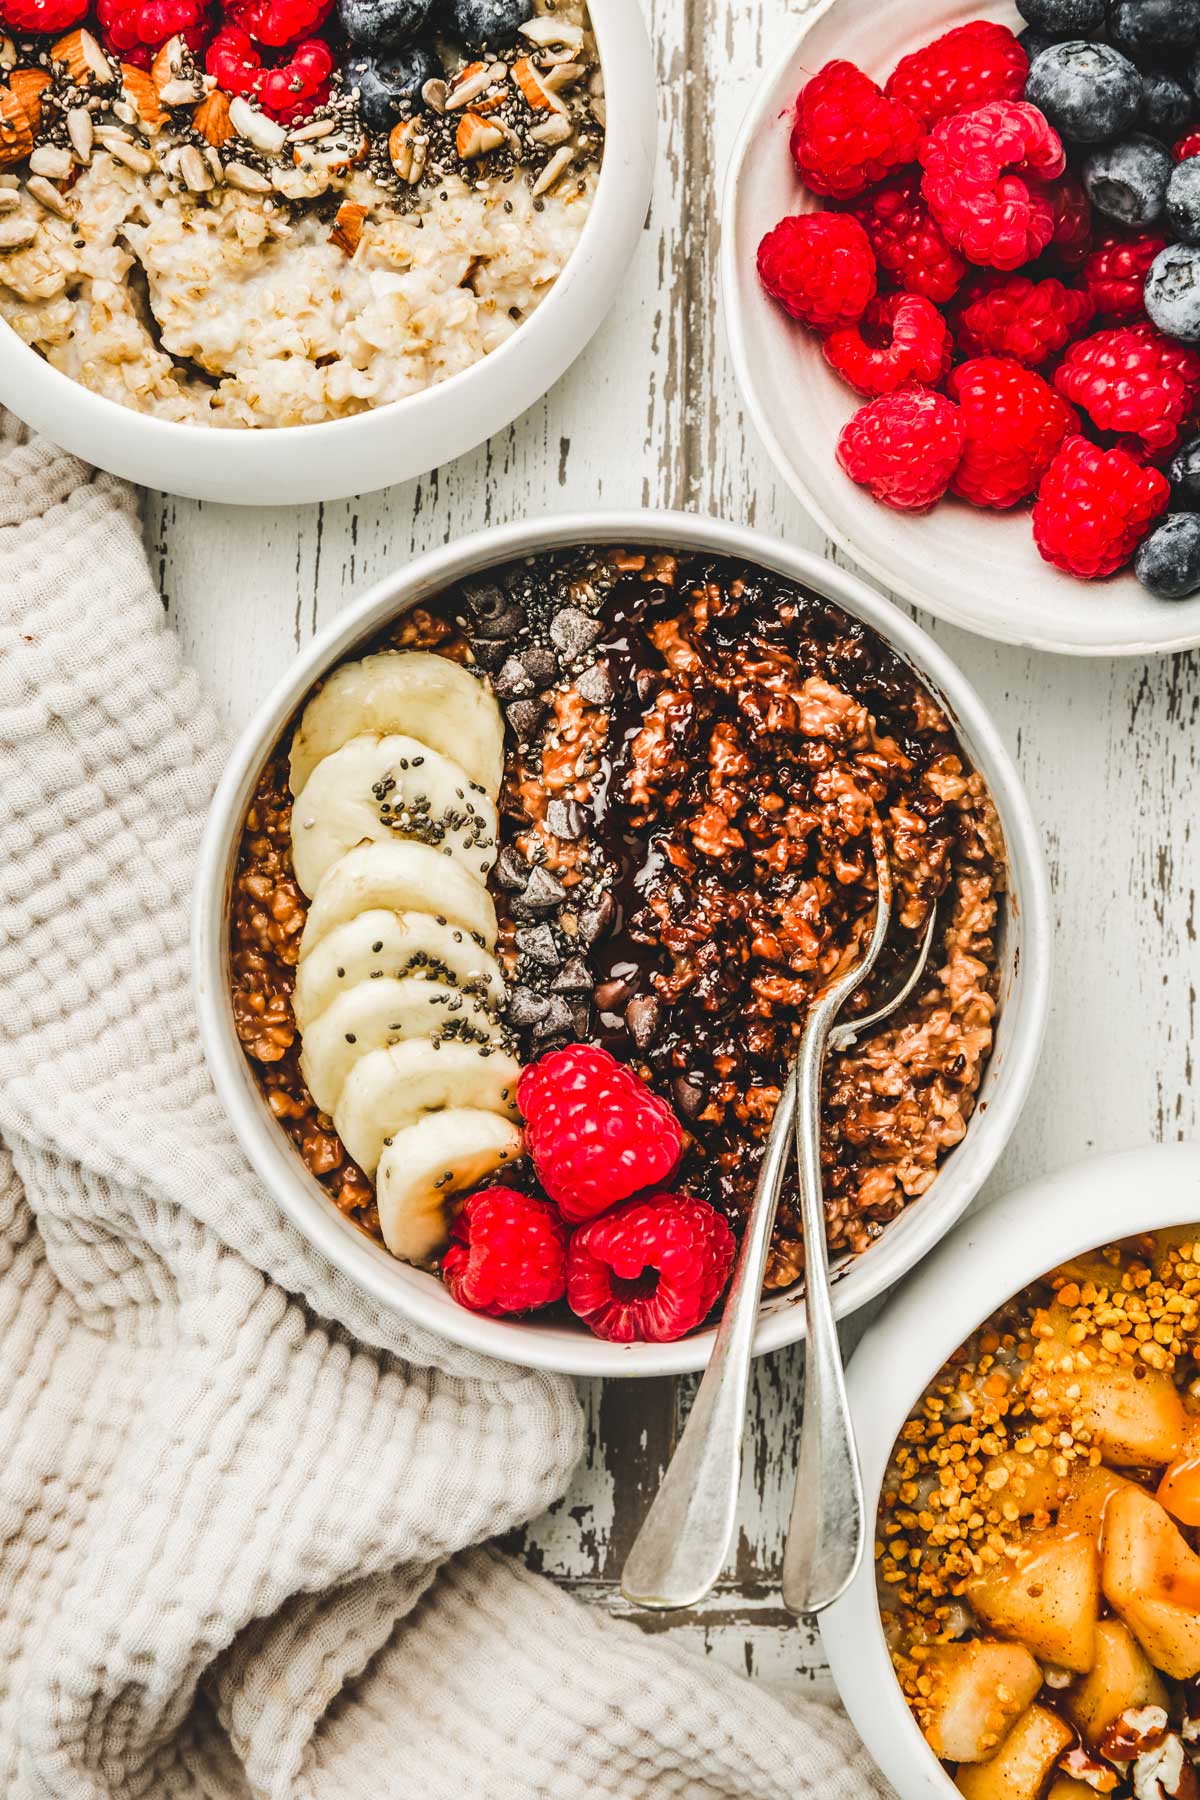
(558, 165)
(8, 53)
(239, 175)
(316, 128)
(9, 200)
(52, 160)
(47, 195)
(181, 93)
(463, 92)
(564, 76)
(256, 127)
(140, 161)
(193, 170)
(16, 233)
(81, 132)
(547, 31)
(554, 130)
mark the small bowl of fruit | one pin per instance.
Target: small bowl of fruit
(1028, 1414)
(961, 273)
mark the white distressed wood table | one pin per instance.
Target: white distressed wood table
(650, 417)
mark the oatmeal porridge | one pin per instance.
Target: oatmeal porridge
(630, 796)
(229, 234)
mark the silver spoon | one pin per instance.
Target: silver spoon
(678, 1554)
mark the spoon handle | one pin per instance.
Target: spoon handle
(825, 1536)
(681, 1549)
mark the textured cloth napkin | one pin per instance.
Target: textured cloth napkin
(243, 1513)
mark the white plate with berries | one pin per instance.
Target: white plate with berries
(936, 300)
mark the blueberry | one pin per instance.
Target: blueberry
(1167, 104)
(1088, 92)
(1184, 473)
(1168, 561)
(1145, 26)
(1064, 18)
(1172, 292)
(1033, 41)
(376, 24)
(475, 23)
(387, 82)
(1128, 181)
(1183, 199)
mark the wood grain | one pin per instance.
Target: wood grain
(650, 416)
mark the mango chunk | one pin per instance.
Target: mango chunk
(1088, 1497)
(1179, 1489)
(1121, 1676)
(1030, 1482)
(1022, 1767)
(1065, 1787)
(1047, 1596)
(980, 1687)
(1151, 1578)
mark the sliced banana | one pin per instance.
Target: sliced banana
(377, 943)
(377, 1013)
(388, 1089)
(412, 691)
(427, 1166)
(399, 876)
(378, 788)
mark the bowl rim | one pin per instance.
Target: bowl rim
(745, 143)
(224, 458)
(359, 1258)
(1006, 1244)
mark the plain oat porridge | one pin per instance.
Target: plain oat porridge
(237, 235)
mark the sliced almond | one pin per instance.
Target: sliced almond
(316, 128)
(250, 181)
(8, 53)
(348, 226)
(538, 97)
(332, 159)
(265, 133)
(52, 160)
(211, 119)
(141, 92)
(562, 75)
(170, 62)
(178, 92)
(408, 145)
(554, 170)
(548, 32)
(16, 132)
(467, 85)
(83, 59)
(47, 195)
(28, 85)
(599, 106)
(476, 136)
(16, 233)
(434, 95)
(9, 200)
(80, 132)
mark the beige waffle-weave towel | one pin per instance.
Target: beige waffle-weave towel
(243, 1514)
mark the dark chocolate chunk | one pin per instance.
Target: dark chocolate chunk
(512, 681)
(543, 892)
(489, 656)
(525, 1008)
(537, 942)
(556, 1021)
(574, 632)
(484, 600)
(689, 1094)
(594, 921)
(612, 995)
(565, 819)
(581, 1017)
(595, 685)
(541, 664)
(504, 626)
(573, 977)
(511, 871)
(523, 715)
(642, 1017)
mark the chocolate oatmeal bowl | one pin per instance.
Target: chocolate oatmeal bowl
(514, 899)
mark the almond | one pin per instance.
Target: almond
(142, 94)
(83, 58)
(467, 85)
(537, 95)
(348, 226)
(27, 85)
(16, 133)
(211, 119)
(407, 148)
(476, 136)
(169, 62)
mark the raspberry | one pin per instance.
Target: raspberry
(901, 338)
(1094, 507)
(1013, 423)
(278, 23)
(594, 1130)
(651, 1270)
(1010, 315)
(1115, 273)
(962, 68)
(288, 90)
(507, 1254)
(848, 134)
(1134, 379)
(820, 268)
(993, 217)
(1072, 238)
(1188, 145)
(134, 29)
(903, 447)
(25, 17)
(907, 241)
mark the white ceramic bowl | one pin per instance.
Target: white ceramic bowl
(978, 569)
(295, 464)
(1024, 955)
(991, 1255)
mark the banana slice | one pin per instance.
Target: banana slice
(427, 1166)
(377, 1013)
(399, 876)
(377, 788)
(377, 943)
(388, 1089)
(413, 691)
